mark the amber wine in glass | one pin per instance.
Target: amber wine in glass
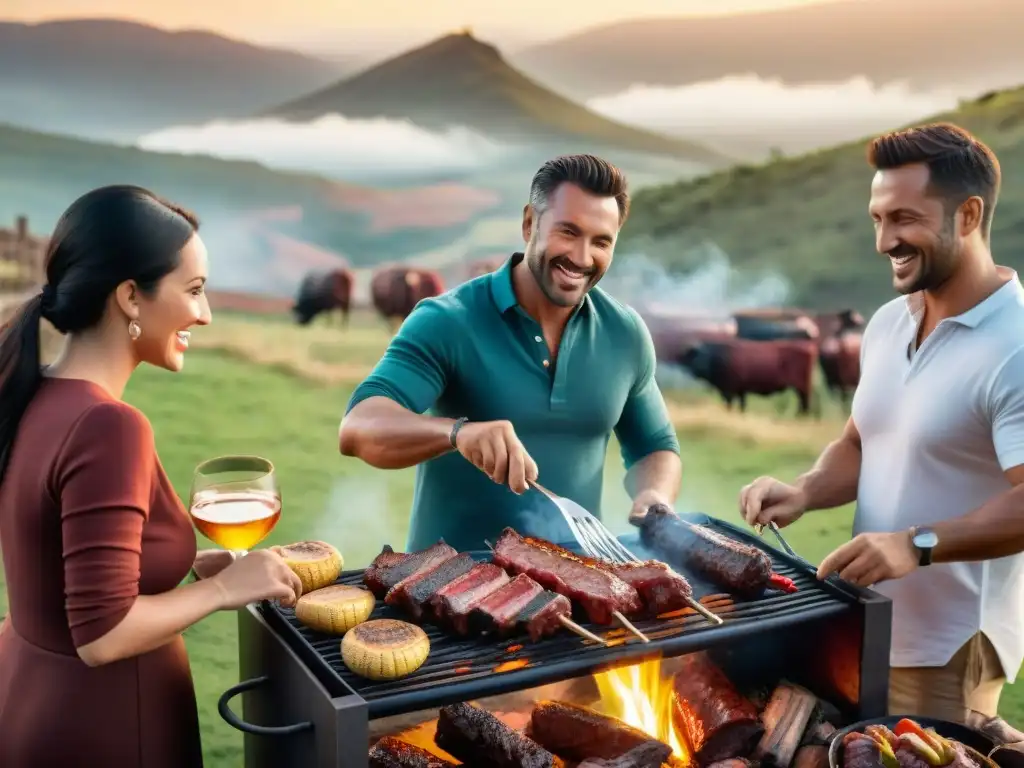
(235, 501)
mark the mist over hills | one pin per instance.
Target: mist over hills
(458, 80)
(112, 79)
(928, 43)
(806, 216)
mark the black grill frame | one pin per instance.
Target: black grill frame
(565, 655)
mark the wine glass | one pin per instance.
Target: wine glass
(235, 501)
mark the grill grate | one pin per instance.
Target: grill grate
(460, 669)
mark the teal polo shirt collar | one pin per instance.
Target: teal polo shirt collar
(503, 294)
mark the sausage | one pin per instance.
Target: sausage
(476, 737)
(738, 568)
(645, 756)
(719, 723)
(577, 733)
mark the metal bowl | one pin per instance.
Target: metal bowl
(977, 744)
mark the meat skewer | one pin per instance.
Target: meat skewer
(603, 595)
(524, 602)
(439, 583)
(738, 568)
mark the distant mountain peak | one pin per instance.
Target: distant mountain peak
(460, 80)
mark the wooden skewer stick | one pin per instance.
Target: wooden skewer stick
(572, 626)
(706, 613)
(566, 622)
(626, 623)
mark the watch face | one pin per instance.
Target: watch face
(925, 539)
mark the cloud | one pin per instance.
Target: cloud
(793, 116)
(334, 146)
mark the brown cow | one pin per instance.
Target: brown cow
(397, 290)
(738, 367)
(482, 267)
(324, 292)
(840, 363)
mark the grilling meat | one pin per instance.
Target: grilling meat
(543, 614)
(476, 737)
(390, 752)
(735, 567)
(390, 567)
(577, 733)
(660, 588)
(413, 593)
(452, 603)
(600, 592)
(718, 722)
(647, 755)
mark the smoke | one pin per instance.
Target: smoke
(672, 302)
(714, 289)
(790, 117)
(362, 514)
(334, 146)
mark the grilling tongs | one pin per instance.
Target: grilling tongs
(599, 543)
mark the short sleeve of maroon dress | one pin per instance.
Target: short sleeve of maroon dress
(105, 479)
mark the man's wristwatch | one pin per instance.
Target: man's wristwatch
(455, 431)
(924, 540)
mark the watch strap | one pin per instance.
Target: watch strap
(453, 435)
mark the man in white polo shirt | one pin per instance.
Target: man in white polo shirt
(933, 452)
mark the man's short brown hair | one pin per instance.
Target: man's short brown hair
(959, 165)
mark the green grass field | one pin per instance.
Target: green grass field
(224, 402)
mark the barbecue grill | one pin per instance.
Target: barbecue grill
(303, 707)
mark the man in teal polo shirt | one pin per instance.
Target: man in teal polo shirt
(522, 375)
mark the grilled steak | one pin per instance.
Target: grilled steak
(735, 567)
(476, 737)
(390, 752)
(413, 594)
(599, 591)
(577, 733)
(718, 722)
(662, 589)
(649, 755)
(499, 611)
(452, 603)
(390, 567)
(541, 616)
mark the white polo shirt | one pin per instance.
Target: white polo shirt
(937, 432)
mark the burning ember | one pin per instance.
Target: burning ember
(641, 696)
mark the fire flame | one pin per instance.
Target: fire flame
(641, 696)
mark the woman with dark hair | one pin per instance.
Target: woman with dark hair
(93, 669)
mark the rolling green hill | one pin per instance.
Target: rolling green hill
(253, 218)
(457, 80)
(806, 217)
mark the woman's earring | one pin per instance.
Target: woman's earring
(134, 330)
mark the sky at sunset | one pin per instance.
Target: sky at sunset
(378, 22)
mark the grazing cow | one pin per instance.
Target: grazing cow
(324, 292)
(839, 356)
(397, 290)
(832, 324)
(762, 329)
(738, 367)
(484, 267)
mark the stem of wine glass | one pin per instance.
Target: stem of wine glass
(239, 553)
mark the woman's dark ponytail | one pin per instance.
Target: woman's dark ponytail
(20, 371)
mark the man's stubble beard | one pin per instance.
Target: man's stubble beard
(942, 262)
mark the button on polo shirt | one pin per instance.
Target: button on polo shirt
(475, 352)
(939, 425)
